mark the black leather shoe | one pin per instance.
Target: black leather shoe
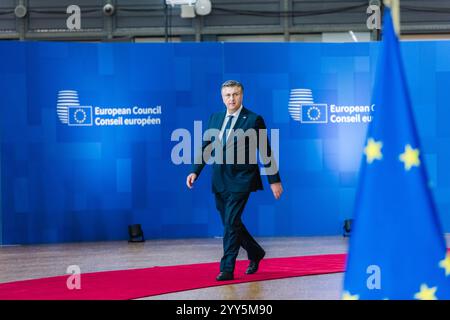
(254, 264)
(224, 276)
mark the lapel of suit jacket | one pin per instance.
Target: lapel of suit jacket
(241, 119)
(220, 120)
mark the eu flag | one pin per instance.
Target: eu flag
(397, 248)
(314, 113)
(79, 116)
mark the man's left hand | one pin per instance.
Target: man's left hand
(277, 189)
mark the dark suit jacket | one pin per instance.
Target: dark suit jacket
(238, 177)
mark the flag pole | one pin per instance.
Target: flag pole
(395, 11)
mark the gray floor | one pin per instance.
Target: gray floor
(36, 261)
(323, 287)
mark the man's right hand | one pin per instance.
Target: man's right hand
(190, 180)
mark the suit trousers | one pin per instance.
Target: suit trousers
(231, 206)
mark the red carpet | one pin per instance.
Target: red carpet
(138, 283)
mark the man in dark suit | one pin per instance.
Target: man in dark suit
(233, 180)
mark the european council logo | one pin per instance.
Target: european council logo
(314, 113)
(297, 98)
(303, 109)
(66, 98)
(69, 110)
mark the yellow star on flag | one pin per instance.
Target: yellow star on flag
(426, 293)
(373, 150)
(347, 296)
(446, 264)
(410, 157)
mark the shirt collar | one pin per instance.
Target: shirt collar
(236, 113)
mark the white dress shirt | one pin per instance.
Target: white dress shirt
(235, 117)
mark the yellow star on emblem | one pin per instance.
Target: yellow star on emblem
(426, 293)
(446, 264)
(410, 157)
(347, 296)
(373, 150)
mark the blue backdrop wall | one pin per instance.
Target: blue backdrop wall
(86, 146)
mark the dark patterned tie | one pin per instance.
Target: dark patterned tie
(227, 128)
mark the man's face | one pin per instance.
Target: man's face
(232, 98)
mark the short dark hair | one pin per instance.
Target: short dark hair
(233, 83)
